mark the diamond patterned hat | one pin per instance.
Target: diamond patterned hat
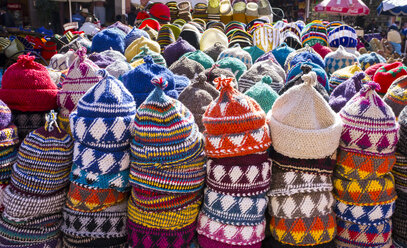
(339, 59)
(235, 124)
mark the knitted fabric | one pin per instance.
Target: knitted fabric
(402, 145)
(84, 199)
(26, 86)
(369, 59)
(62, 61)
(82, 75)
(306, 49)
(8, 135)
(343, 35)
(387, 74)
(364, 215)
(86, 242)
(303, 57)
(118, 181)
(400, 218)
(233, 65)
(380, 190)
(145, 51)
(141, 236)
(272, 242)
(302, 205)
(45, 244)
(136, 46)
(239, 176)
(165, 37)
(371, 70)
(396, 95)
(202, 58)
(400, 172)
(263, 93)
(150, 201)
(364, 235)
(174, 51)
(103, 116)
(321, 50)
(357, 166)
(366, 111)
(232, 210)
(187, 67)
(44, 161)
(281, 53)
(133, 35)
(5, 115)
(317, 136)
(254, 52)
(100, 60)
(105, 224)
(118, 68)
(339, 59)
(206, 242)
(345, 91)
(266, 37)
(111, 38)
(228, 234)
(341, 75)
(238, 53)
(214, 51)
(287, 183)
(320, 166)
(167, 220)
(304, 231)
(229, 132)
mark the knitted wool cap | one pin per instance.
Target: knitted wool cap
(291, 39)
(214, 51)
(317, 136)
(345, 91)
(187, 67)
(235, 124)
(281, 53)
(321, 50)
(339, 59)
(238, 53)
(366, 111)
(343, 35)
(266, 37)
(117, 56)
(61, 61)
(387, 74)
(236, 66)
(258, 71)
(8, 131)
(254, 52)
(371, 70)
(145, 51)
(305, 56)
(100, 60)
(165, 37)
(133, 35)
(402, 145)
(176, 50)
(205, 60)
(82, 75)
(396, 95)
(322, 77)
(150, 31)
(263, 93)
(299, 51)
(160, 12)
(44, 160)
(27, 86)
(138, 80)
(340, 76)
(212, 36)
(111, 38)
(119, 25)
(175, 144)
(368, 59)
(118, 68)
(197, 96)
(136, 47)
(191, 36)
(27, 122)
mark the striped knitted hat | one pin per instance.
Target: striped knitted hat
(266, 37)
(235, 124)
(8, 131)
(396, 95)
(145, 51)
(345, 91)
(343, 35)
(344, 74)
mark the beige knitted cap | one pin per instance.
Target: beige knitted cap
(302, 123)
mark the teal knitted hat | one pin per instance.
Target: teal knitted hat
(281, 53)
(254, 51)
(145, 51)
(201, 57)
(235, 65)
(262, 92)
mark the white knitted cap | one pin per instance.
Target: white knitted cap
(302, 124)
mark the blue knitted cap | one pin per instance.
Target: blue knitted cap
(281, 53)
(134, 34)
(307, 55)
(321, 74)
(109, 38)
(369, 59)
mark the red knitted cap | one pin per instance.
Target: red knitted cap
(27, 86)
(321, 50)
(160, 11)
(371, 70)
(152, 23)
(387, 74)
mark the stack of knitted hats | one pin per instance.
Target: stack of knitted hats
(238, 171)
(363, 185)
(400, 174)
(34, 199)
(167, 173)
(306, 135)
(82, 75)
(8, 151)
(29, 92)
(96, 210)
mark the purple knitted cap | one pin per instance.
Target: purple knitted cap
(175, 50)
(101, 60)
(345, 91)
(5, 115)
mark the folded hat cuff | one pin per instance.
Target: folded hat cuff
(232, 210)
(30, 99)
(168, 220)
(118, 181)
(365, 215)
(53, 242)
(8, 136)
(8, 156)
(110, 134)
(305, 144)
(243, 235)
(115, 215)
(100, 162)
(72, 241)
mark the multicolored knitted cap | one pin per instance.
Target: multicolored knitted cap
(239, 53)
(343, 35)
(295, 73)
(82, 75)
(345, 91)
(369, 59)
(341, 75)
(317, 135)
(44, 160)
(145, 51)
(104, 115)
(164, 132)
(339, 59)
(135, 47)
(304, 56)
(396, 96)
(370, 126)
(235, 124)
(8, 131)
(387, 74)
(5, 115)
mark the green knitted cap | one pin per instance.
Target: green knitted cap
(201, 57)
(145, 51)
(235, 65)
(263, 94)
(254, 51)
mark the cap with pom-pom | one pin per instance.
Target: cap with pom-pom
(370, 125)
(146, 51)
(235, 124)
(302, 123)
(27, 86)
(135, 47)
(345, 91)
